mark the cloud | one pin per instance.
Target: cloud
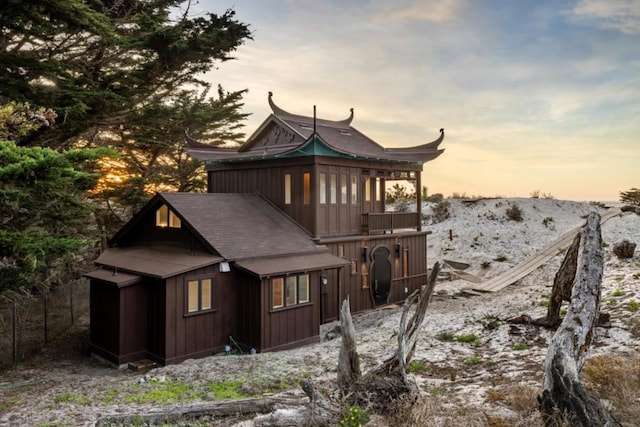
(430, 11)
(621, 15)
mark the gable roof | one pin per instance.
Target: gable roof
(234, 225)
(283, 133)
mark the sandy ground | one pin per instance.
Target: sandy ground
(62, 386)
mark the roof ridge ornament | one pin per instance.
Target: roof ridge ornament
(283, 113)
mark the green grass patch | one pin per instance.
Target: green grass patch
(633, 306)
(75, 398)
(473, 360)
(162, 393)
(436, 391)
(520, 346)
(467, 338)
(618, 293)
(445, 336)
(416, 367)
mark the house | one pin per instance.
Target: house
(294, 222)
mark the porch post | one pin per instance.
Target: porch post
(419, 198)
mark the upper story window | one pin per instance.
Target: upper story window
(354, 189)
(323, 188)
(165, 217)
(343, 189)
(199, 292)
(333, 188)
(378, 189)
(306, 181)
(367, 189)
(287, 188)
(289, 291)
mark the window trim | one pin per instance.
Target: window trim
(199, 279)
(287, 189)
(283, 283)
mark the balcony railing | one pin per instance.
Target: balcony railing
(389, 221)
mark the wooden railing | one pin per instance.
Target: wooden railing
(389, 221)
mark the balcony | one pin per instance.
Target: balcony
(389, 221)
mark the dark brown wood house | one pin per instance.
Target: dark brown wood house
(293, 223)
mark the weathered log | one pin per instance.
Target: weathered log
(348, 360)
(563, 394)
(197, 411)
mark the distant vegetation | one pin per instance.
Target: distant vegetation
(631, 197)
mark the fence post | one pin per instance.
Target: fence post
(71, 302)
(15, 332)
(46, 326)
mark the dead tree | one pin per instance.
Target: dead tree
(348, 360)
(563, 394)
(381, 386)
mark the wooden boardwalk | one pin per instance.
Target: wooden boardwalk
(542, 256)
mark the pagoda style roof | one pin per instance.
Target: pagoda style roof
(284, 135)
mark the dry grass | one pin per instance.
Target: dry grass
(615, 379)
(522, 398)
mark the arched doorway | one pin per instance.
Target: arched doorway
(380, 275)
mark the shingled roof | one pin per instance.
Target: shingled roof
(234, 225)
(284, 134)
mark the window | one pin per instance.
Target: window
(367, 189)
(165, 217)
(354, 189)
(364, 276)
(323, 188)
(199, 295)
(343, 189)
(378, 188)
(341, 250)
(287, 188)
(354, 267)
(306, 178)
(333, 188)
(289, 291)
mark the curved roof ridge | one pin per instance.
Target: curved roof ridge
(279, 112)
(433, 145)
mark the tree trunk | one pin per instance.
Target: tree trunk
(348, 360)
(563, 394)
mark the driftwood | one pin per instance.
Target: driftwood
(348, 360)
(563, 395)
(381, 387)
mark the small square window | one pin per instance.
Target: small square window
(199, 295)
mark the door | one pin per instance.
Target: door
(380, 275)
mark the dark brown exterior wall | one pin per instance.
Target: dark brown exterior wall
(119, 321)
(360, 298)
(105, 320)
(198, 335)
(290, 327)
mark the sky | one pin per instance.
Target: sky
(534, 95)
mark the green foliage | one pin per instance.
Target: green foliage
(163, 392)
(441, 211)
(491, 321)
(354, 417)
(618, 292)
(474, 360)
(485, 264)
(227, 390)
(500, 258)
(547, 222)
(397, 193)
(445, 336)
(78, 399)
(631, 197)
(514, 213)
(43, 218)
(633, 306)
(520, 346)
(416, 367)
(126, 75)
(467, 338)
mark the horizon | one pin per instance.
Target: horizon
(532, 95)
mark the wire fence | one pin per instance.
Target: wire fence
(30, 322)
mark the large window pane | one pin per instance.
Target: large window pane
(378, 189)
(333, 188)
(307, 188)
(277, 292)
(292, 294)
(287, 189)
(367, 190)
(343, 189)
(205, 294)
(323, 188)
(174, 220)
(354, 189)
(192, 296)
(303, 288)
(162, 216)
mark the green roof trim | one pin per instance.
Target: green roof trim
(315, 146)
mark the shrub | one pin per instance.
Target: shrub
(514, 213)
(633, 306)
(500, 258)
(354, 416)
(435, 198)
(441, 211)
(548, 220)
(631, 197)
(485, 264)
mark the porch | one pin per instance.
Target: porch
(389, 221)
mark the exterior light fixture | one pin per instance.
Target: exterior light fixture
(398, 250)
(364, 254)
